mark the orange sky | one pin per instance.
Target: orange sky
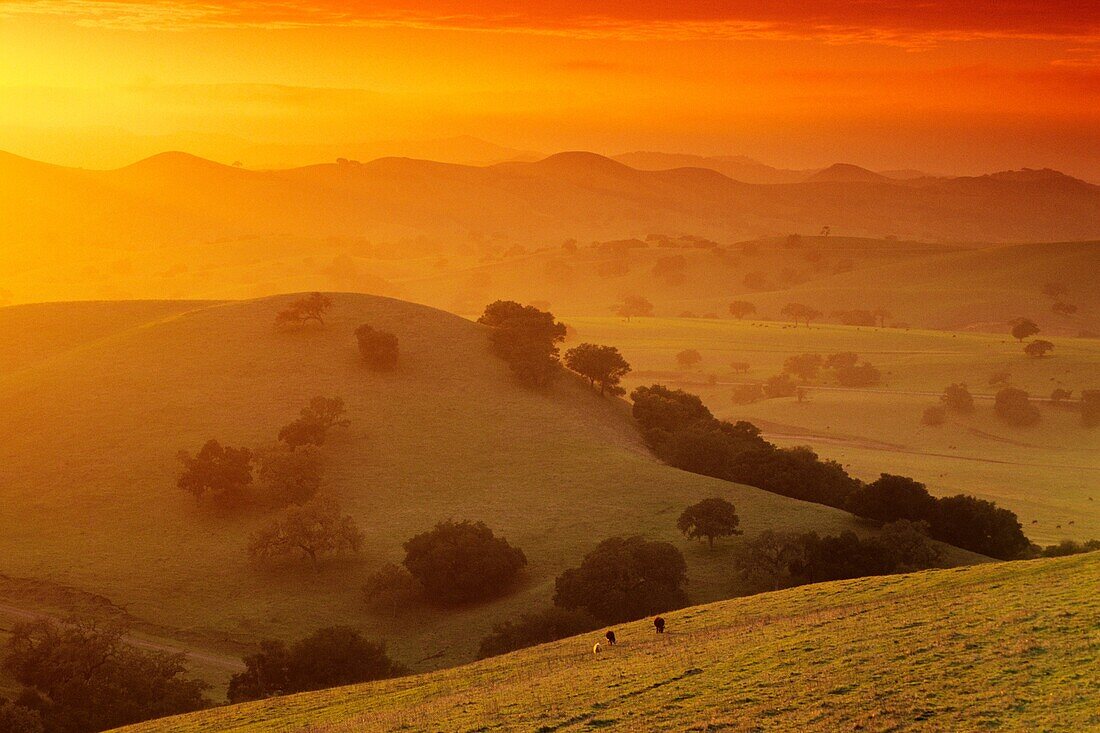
(953, 86)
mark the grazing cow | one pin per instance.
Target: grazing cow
(610, 636)
(596, 649)
(659, 624)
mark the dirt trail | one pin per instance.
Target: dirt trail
(195, 656)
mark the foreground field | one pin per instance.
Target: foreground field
(911, 652)
(88, 469)
(1047, 474)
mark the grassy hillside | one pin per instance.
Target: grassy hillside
(912, 652)
(1047, 473)
(88, 467)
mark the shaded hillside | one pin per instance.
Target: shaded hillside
(1007, 646)
(88, 467)
(68, 230)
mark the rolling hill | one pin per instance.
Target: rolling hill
(178, 226)
(910, 652)
(103, 397)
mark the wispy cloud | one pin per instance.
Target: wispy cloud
(894, 22)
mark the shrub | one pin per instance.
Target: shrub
(934, 415)
(1038, 348)
(623, 579)
(957, 397)
(460, 562)
(1015, 408)
(378, 348)
(530, 629)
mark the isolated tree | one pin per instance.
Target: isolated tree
(389, 587)
(740, 366)
(83, 677)
(378, 348)
(634, 305)
(316, 531)
(881, 314)
(741, 308)
(1023, 328)
(803, 366)
(461, 562)
(957, 397)
(1090, 407)
(890, 498)
(841, 360)
(799, 313)
(314, 422)
(1038, 348)
(329, 657)
(624, 578)
(688, 358)
(219, 473)
(526, 338)
(310, 308)
(1014, 407)
(290, 475)
(710, 518)
(765, 560)
(1063, 309)
(602, 365)
(863, 375)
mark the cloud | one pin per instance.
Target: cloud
(838, 21)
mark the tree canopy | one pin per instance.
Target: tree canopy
(378, 348)
(602, 365)
(710, 518)
(461, 562)
(525, 337)
(316, 531)
(218, 472)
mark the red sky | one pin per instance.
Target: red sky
(939, 85)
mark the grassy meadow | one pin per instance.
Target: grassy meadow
(1047, 474)
(102, 398)
(910, 652)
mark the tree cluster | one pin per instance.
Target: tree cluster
(333, 656)
(682, 432)
(774, 560)
(78, 677)
(525, 337)
(799, 313)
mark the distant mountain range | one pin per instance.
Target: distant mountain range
(747, 170)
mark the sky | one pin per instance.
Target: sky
(946, 86)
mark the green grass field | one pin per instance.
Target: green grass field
(1048, 474)
(98, 406)
(911, 652)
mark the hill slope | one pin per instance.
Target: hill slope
(915, 652)
(180, 227)
(88, 468)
